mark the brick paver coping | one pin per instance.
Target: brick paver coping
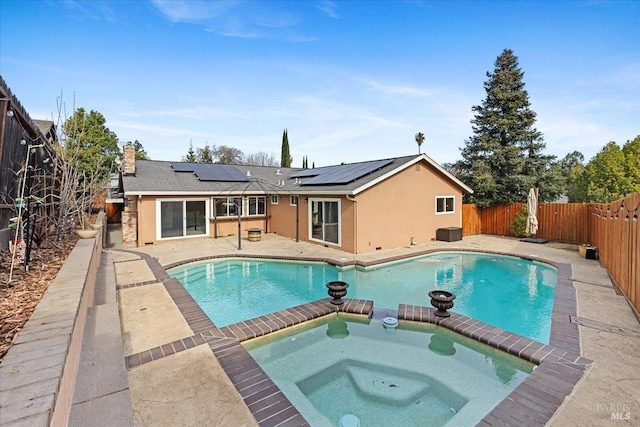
(533, 403)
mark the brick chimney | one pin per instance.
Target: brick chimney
(129, 163)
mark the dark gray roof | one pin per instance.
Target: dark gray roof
(159, 178)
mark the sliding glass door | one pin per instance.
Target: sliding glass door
(182, 218)
(325, 220)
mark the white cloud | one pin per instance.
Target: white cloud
(94, 11)
(193, 11)
(238, 19)
(393, 89)
(329, 9)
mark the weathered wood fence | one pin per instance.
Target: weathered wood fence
(613, 228)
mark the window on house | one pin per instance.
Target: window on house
(325, 220)
(445, 204)
(293, 200)
(274, 199)
(256, 205)
(182, 218)
(227, 206)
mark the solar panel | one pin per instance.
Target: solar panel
(214, 172)
(211, 172)
(344, 174)
(182, 167)
(308, 172)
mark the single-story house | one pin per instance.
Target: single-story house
(357, 207)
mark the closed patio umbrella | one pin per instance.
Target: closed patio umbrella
(532, 208)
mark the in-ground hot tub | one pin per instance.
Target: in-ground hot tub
(413, 375)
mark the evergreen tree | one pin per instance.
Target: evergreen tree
(141, 154)
(503, 158)
(285, 155)
(91, 145)
(205, 155)
(191, 154)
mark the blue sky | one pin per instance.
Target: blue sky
(350, 80)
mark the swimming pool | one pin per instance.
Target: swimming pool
(417, 374)
(511, 293)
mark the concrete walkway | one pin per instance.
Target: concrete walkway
(190, 388)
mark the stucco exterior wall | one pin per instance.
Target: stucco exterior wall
(402, 209)
(147, 222)
(393, 213)
(282, 219)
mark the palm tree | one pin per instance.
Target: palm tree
(419, 140)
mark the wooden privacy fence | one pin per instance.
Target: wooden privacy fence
(616, 233)
(613, 228)
(560, 222)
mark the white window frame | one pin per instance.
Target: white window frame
(184, 219)
(232, 198)
(446, 212)
(292, 198)
(310, 220)
(255, 198)
(274, 199)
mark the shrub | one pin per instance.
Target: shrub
(519, 225)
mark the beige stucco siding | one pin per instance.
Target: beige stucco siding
(392, 213)
(282, 219)
(403, 208)
(147, 221)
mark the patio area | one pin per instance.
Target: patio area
(190, 387)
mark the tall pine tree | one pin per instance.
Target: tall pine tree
(285, 155)
(191, 154)
(504, 158)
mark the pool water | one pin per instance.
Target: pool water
(507, 292)
(415, 375)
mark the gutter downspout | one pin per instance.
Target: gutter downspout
(298, 220)
(138, 205)
(355, 221)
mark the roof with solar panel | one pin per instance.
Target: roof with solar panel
(173, 178)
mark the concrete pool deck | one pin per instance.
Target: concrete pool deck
(190, 387)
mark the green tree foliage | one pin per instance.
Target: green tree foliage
(631, 150)
(610, 174)
(204, 155)
(191, 156)
(91, 147)
(503, 158)
(519, 225)
(572, 168)
(419, 140)
(285, 154)
(141, 154)
(224, 154)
